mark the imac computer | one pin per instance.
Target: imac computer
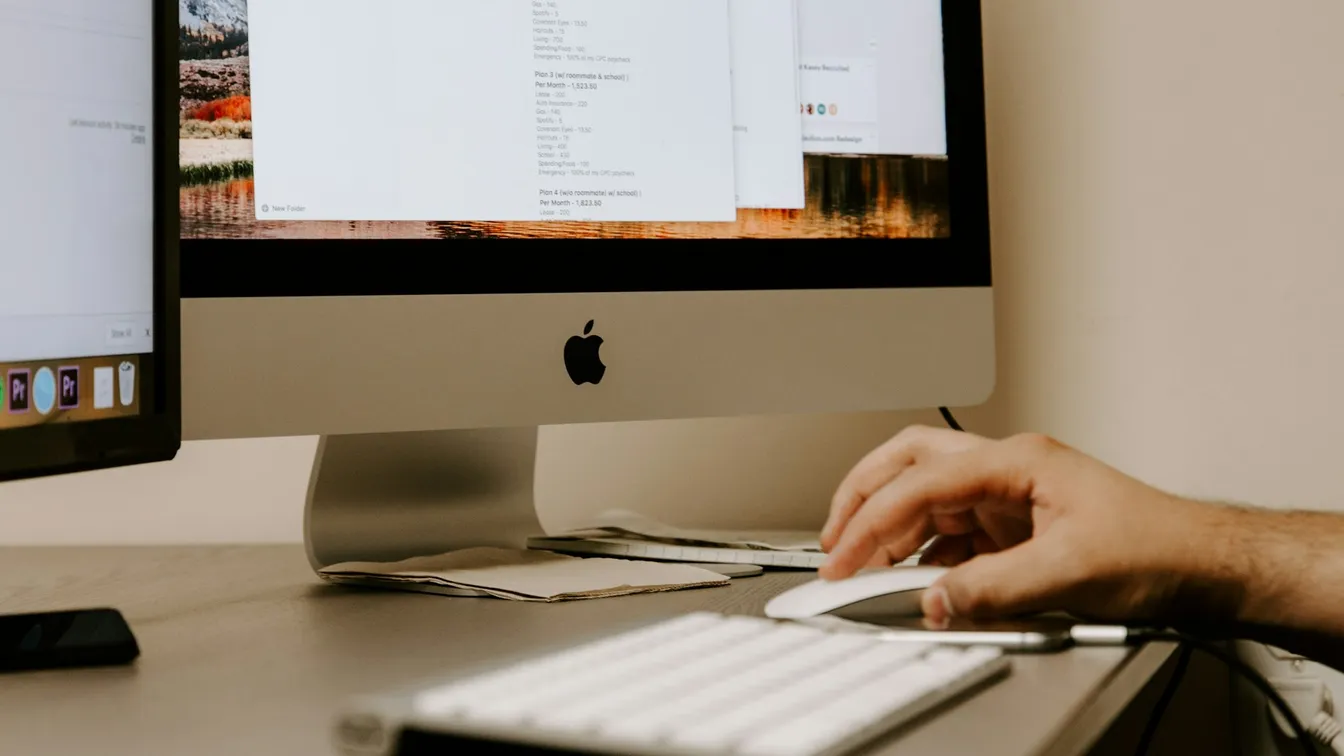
(420, 230)
(88, 259)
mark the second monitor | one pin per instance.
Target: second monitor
(406, 226)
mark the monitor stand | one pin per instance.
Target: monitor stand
(388, 497)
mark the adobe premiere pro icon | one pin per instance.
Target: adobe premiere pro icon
(18, 384)
(67, 380)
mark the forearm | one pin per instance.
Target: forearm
(1278, 569)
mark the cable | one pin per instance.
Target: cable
(1247, 672)
(1114, 635)
(950, 420)
(1233, 710)
(1160, 708)
(1327, 731)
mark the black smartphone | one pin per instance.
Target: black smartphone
(56, 640)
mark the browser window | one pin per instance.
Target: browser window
(767, 131)
(519, 110)
(872, 77)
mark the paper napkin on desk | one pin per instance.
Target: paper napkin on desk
(519, 575)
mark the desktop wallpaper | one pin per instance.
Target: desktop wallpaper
(848, 196)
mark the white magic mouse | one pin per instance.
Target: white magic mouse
(891, 591)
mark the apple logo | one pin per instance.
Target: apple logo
(582, 358)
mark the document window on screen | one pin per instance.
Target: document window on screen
(77, 261)
(564, 119)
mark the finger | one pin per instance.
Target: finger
(959, 523)
(1021, 580)
(943, 485)
(886, 557)
(948, 551)
(887, 461)
(873, 471)
(883, 464)
(886, 523)
(1005, 525)
(879, 560)
(953, 544)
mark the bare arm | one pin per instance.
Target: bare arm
(1290, 567)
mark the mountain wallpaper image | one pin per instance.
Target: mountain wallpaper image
(882, 196)
(221, 14)
(215, 110)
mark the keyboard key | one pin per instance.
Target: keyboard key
(451, 698)
(795, 698)
(711, 684)
(658, 724)
(696, 675)
(539, 694)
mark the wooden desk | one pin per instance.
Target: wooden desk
(245, 652)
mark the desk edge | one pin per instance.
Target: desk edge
(1099, 711)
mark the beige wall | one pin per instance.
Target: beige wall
(1168, 179)
(220, 492)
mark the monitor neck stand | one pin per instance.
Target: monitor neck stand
(388, 497)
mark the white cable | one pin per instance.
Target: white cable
(1328, 731)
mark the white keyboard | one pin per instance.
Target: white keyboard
(706, 684)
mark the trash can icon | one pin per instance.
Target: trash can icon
(126, 381)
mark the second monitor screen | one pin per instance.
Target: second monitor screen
(563, 119)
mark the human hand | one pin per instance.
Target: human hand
(1027, 525)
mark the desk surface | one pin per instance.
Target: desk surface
(245, 652)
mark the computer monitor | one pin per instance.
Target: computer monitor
(88, 266)
(422, 229)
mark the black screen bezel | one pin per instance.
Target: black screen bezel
(155, 435)
(227, 268)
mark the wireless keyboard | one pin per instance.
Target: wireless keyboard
(699, 684)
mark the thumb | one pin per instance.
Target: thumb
(1020, 580)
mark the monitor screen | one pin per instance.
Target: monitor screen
(77, 266)
(451, 119)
